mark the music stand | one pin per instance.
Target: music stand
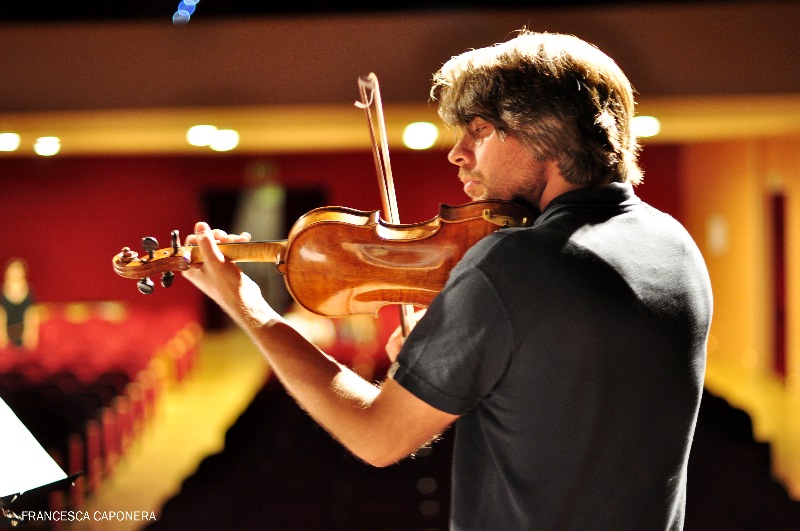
(25, 466)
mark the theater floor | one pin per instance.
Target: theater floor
(189, 424)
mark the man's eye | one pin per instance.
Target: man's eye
(478, 129)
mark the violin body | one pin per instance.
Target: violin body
(358, 263)
(340, 261)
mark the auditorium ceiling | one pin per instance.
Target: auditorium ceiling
(131, 82)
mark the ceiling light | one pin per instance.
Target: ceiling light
(184, 12)
(200, 135)
(9, 141)
(420, 135)
(644, 126)
(47, 146)
(224, 140)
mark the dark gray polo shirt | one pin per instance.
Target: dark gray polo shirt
(574, 351)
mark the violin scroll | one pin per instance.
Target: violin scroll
(127, 263)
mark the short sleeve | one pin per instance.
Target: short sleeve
(460, 349)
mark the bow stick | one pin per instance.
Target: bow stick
(370, 94)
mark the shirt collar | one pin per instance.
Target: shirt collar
(614, 196)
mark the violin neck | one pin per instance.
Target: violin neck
(266, 251)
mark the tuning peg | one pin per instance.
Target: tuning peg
(176, 242)
(127, 256)
(146, 286)
(167, 278)
(150, 245)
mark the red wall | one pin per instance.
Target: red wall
(661, 178)
(68, 217)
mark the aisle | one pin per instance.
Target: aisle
(189, 424)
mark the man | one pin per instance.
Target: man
(571, 352)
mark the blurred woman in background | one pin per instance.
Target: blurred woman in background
(18, 309)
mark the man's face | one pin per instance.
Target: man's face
(493, 166)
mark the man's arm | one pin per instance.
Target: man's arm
(381, 425)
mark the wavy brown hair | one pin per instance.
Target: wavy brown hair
(561, 96)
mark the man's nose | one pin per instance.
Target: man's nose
(460, 155)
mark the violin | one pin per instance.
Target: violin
(340, 261)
